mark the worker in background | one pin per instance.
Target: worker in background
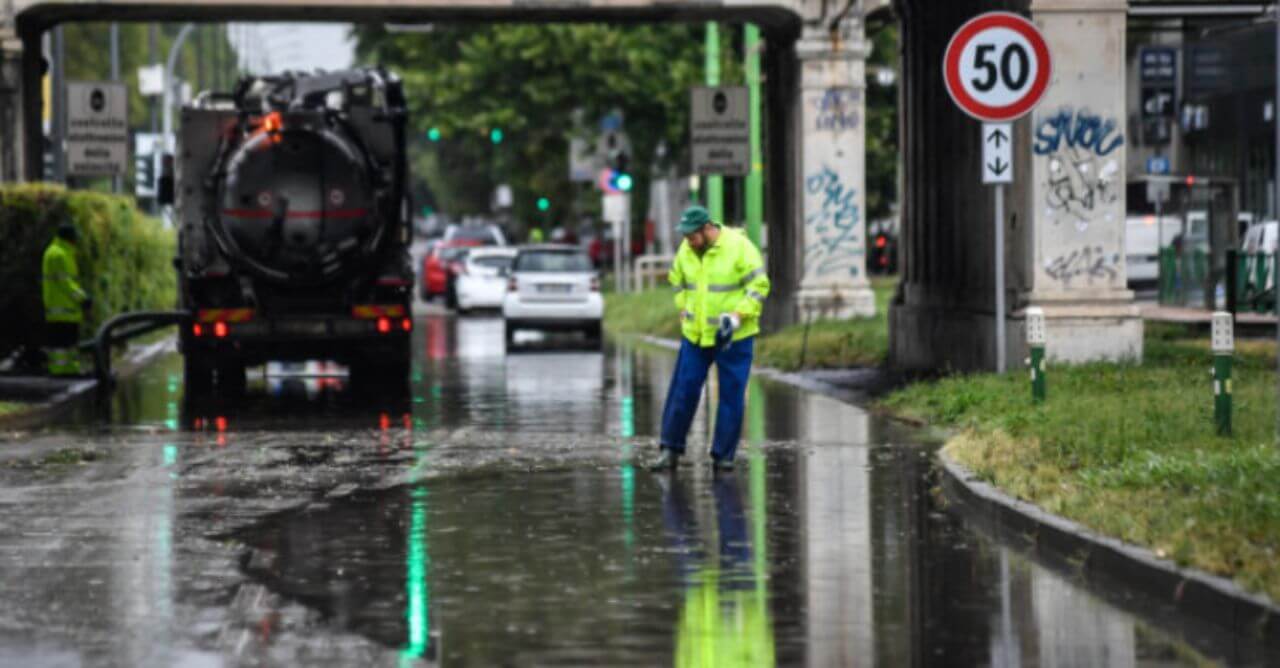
(64, 302)
(721, 286)
(535, 235)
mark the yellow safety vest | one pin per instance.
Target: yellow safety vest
(61, 283)
(728, 278)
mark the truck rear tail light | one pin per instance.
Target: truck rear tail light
(406, 325)
(220, 329)
(384, 325)
(595, 284)
(197, 330)
(512, 286)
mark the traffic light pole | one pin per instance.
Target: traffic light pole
(755, 177)
(715, 184)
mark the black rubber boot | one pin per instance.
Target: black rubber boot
(668, 460)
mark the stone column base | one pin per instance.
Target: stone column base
(1089, 332)
(836, 302)
(956, 339)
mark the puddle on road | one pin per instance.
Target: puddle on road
(495, 516)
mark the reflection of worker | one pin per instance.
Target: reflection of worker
(720, 287)
(64, 302)
(724, 619)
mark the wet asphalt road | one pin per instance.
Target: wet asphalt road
(497, 516)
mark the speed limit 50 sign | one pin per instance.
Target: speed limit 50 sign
(997, 67)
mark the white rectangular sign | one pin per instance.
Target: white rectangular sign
(720, 130)
(997, 153)
(616, 207)
(97, 128)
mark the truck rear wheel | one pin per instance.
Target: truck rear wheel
(197, 375)
(386, 374)
(231, 376)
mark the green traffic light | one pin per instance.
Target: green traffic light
(433, 134)
(543, 204)
(623, 182)
(495, 135)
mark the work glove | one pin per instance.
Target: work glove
(729, 323)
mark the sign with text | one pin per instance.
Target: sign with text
(997, 67)
(720, 135)
(97, 128)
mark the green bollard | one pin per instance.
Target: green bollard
(1036, 342)
(1223, 345)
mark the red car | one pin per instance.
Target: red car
(439, 262)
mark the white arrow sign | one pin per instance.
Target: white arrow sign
(997, 153)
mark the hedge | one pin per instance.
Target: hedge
(125, 257)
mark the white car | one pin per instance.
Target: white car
(1142, 237)
(553, 287)
(482, 283)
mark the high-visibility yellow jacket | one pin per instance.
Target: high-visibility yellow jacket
(63, 297)
(728, 278)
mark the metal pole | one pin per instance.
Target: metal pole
(1000, 315)
(618, 285)
(755, 177)
(169, 64)
(715, 183)
(1275, 183)
(117, 182)
(59, 94)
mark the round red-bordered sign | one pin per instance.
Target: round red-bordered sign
(997, 67)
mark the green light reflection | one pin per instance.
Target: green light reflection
(417, 590)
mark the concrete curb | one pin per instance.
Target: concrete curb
(1198, 594)
(135, 360)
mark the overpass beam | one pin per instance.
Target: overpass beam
(830, 234)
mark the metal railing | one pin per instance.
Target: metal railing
(649, 271)
(1251, 286)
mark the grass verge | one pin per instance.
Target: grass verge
(1130, 450)
(8, 407)
(830, 344)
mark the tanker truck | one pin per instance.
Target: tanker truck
(293, 225)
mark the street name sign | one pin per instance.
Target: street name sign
(97, 128)
(997, 153)
(720, 130)
(997, 67)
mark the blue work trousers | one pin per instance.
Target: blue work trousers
(733, 366)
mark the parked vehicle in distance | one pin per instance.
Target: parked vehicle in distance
(1142, 241)
(435, 266)
(482, 281)
(553, 288)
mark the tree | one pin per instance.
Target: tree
(530, 80)
(882, 129)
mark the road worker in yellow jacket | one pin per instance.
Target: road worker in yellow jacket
(64, 302)
(721, 286)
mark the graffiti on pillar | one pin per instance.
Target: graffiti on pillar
(1088, 262)
(1083, 178)
(837, 110)
(833, 244)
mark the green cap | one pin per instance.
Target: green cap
(692, 220)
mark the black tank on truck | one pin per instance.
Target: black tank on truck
(290, 200)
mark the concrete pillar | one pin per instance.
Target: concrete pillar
(1070, 257)
(1064, 224)
(832, 197)
(10, 96)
